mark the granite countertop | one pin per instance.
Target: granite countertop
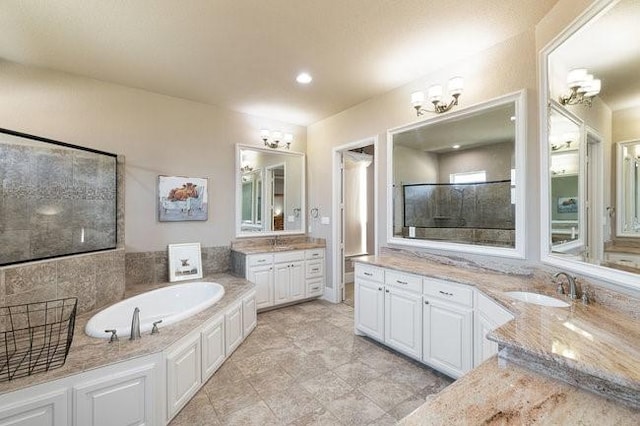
(266, 247)
(88, 353)
(621, 248)
(595, 346)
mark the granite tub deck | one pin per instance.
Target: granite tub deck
(596, 346)
(87, 353)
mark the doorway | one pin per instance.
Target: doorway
(355, 198)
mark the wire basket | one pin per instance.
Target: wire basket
(35, 337)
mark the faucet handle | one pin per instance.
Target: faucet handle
(155, 330)
(560, 288)
(114, 335)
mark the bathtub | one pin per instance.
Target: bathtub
(169, 304)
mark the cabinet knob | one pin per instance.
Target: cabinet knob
(379, 288)
(426, 302)
(387, 291)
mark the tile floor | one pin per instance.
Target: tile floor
(303, 365)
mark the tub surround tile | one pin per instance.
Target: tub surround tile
(34, 277)
(595, 345)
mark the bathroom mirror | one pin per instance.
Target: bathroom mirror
(453, 180)
(269, 192)
(603, 44)
(628, 188)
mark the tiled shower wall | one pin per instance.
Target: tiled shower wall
(96, 279)
(152, 266)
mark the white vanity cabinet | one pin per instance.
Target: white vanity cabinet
(183, 372)
(233, 327)
(213, 347)
(488, 316)
(260, 272)
(249, 314)
(286, 277)
(388, 308)
(448, 326)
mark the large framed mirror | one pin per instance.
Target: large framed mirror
(456, 180)
(270, 192)
(590, 126)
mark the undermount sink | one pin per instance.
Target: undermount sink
(537, 299)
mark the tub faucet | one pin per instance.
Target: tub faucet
(135, 325)
(573, 293)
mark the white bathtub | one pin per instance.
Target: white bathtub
(169, 304)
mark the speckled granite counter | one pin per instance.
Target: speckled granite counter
(596, 346)
(87, 353)
(265, 245)
(499, 393)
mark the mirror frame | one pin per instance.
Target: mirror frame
(518, 252)
(620, 199)
(238, 192)
(617, 277)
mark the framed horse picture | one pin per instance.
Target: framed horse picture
(182, 198)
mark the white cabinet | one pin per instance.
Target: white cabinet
(388, 308)
(183, 373)
(233, 327)
(369, 308)
(249, 314)
(119, 395)
(213, 347)
(49, 408)
(488, 316)
(286, 277)
(448, 327)
(260, 272)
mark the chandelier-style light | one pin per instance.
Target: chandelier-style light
(274, 139)
(434, 95)
(583, 88)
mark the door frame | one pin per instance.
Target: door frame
(335, 294)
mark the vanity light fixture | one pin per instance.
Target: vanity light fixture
(275, 140)
(434, 95)
(583, 88)
(246, 168)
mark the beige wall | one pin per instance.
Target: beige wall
(505, 68)
(626, 125)
(158, 135)
(496, 159)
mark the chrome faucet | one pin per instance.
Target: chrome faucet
(573, 292)
(135, 325)
(275, 241)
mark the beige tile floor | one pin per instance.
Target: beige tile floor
(303, 365)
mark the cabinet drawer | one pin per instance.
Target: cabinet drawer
(445, 290)
(314, 287)
(315, 268)
(404, 281)
(314, 254)
(259, 259)
(368, 272)
(288, 256)
(623, 258)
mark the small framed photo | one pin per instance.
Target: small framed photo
(567, 205)
(182, 198)
(185, 262)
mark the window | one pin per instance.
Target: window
(468, 177)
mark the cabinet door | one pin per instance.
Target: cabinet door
(281, 282)
(447, 338)
(262, 277)
(49, 409)
(183, 374)
(249, 317)
(213, 353)
(369, 308)
(233, 328)
(403, 321)
(121, 399)
(297, 281)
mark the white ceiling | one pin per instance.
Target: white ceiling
(244, 54)
(609, 48)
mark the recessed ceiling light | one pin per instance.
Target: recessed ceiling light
(304, 78)
(455, 146)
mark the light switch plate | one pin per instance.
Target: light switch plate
(412, 232)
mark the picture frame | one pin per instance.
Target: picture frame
(185, 262)
(182, 198)
(567, 205)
